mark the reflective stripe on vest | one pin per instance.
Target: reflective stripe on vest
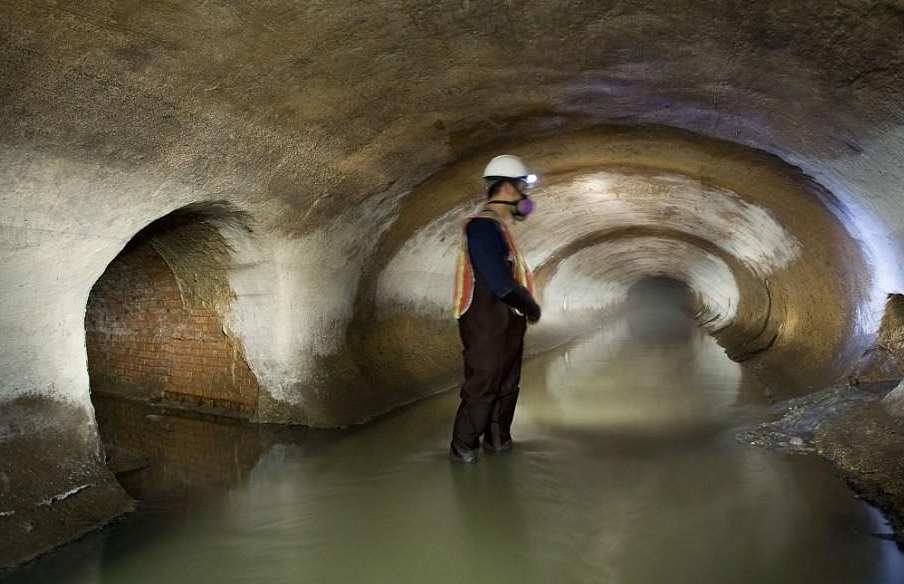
(464, 272)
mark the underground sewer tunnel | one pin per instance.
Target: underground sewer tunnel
(267, 237)
(770, 272)
(762, 249)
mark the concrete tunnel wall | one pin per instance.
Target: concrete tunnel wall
(347, 139)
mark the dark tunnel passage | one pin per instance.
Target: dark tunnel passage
(662, 308)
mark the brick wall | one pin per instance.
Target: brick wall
(143, 341)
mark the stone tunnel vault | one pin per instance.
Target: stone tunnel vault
(154, 322)
(785, 288)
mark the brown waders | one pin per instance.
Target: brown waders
(493, 339)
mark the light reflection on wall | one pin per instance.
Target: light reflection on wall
(599, 277)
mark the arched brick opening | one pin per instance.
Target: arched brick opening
(154, 321)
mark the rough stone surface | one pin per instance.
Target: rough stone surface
(883, 360)
(865, 444)
(851, 428)
(54, 486)
(804, 418)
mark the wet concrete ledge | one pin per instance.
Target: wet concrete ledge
(54, 485)
(864, 444)
(851, 428)
(58, 484)
(165, 406)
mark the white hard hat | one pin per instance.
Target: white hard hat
(505, 166)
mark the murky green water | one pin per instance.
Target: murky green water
(625, 470)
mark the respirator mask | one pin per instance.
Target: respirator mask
(523, 208)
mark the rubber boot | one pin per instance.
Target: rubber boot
(495, 440)
(458, 453)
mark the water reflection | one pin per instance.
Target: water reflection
(625, 470)
(638, 376)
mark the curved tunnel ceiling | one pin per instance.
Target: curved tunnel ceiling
(600, 277)
(296, 102)
(767, 252)
(761, 141)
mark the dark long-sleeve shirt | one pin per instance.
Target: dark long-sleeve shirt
(489, 256)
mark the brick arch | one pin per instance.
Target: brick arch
(145, 339)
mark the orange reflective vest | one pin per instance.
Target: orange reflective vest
(464, 272)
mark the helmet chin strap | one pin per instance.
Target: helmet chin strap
(523, 208)
(516, 215)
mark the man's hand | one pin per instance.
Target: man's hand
(534, 315)
(520, 299)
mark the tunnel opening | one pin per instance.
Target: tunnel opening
(155, 319)
(161, 354)
(660, 307)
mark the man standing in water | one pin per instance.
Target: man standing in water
(493, 302)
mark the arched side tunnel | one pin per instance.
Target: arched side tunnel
(154, 320)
